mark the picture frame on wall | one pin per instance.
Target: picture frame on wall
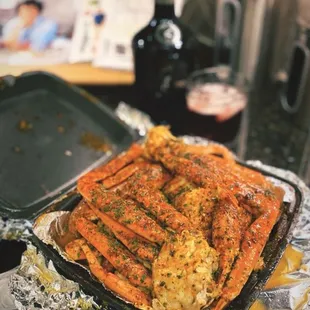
(36, 32)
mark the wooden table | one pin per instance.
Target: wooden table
(81, 73)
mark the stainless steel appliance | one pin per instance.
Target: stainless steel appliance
(267, 34)
(257, 33)
(295, 95)
(273, 48)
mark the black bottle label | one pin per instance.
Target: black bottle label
(168, 34)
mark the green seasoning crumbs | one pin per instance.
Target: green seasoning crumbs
(107, 208)
(119, 212)
(268, 193)
(172, 252)
(143, 278)
(135, 243)
(79, 254)
(187, 155)
(129, 221)
(162, 283)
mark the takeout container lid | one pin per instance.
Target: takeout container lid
(44, 126)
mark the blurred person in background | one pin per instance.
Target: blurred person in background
(29, 30)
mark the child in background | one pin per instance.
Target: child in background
(29, 30)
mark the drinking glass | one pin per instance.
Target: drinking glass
(216, 100)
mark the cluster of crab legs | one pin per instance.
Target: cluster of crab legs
(144, 195)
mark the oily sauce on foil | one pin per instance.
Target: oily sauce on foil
(291, 261)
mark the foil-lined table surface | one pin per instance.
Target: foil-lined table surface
(36, 283)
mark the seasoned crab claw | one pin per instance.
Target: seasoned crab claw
(124, 174)
(154, 201)
(113, 282)
(144, 186)
(81, 210)
(252, 246)
(160, 140)
(74, 251)
(111, 167)
(135, 243)
(226, 233)
(116, 254)
(125, 211)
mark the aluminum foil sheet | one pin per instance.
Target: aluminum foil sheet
(37, 285)
(15, 229)
(134, 118)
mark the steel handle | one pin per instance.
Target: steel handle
(301, 89)
(237, 10)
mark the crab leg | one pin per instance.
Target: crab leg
(189, 170)
(136, 244)
(124, 211)
(123, 288)
(252, 246)
(209, 149)
(159, 140)
(231, 174)
(114, 252)
(156, 176)
(177, 186)
(144, 186)
(73, 249)
(251, 198)
(123, 174)
(154, 201)
(253, 176)
(226, 233)
(112, 167)
(81, 210)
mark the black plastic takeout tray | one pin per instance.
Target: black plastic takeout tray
(275, 247)
(42, 122)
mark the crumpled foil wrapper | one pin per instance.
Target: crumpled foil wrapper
(15, 229)
(134, 118)
(37, 285)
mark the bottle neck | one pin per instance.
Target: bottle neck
(164, 9)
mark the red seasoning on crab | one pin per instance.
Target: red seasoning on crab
(172, 225)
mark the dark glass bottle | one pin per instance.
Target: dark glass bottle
(165, 53)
